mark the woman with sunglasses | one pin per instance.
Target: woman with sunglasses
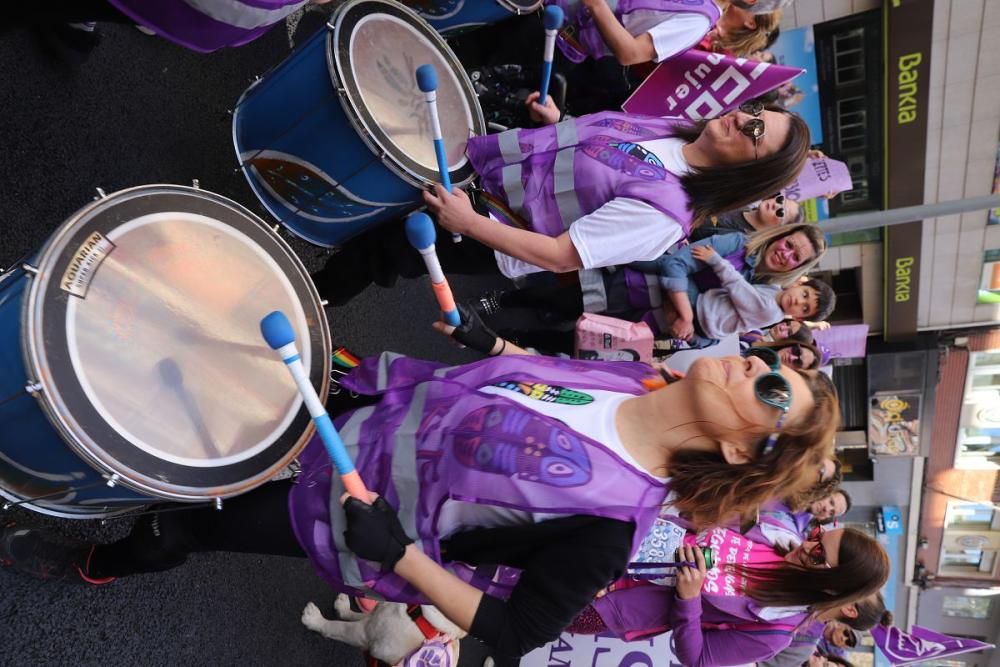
(748, 607)
(794, 353)
(599, 190)
(554, 467)
(772, 212)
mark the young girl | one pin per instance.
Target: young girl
(554, 467)
(748, 607)
(771, 212)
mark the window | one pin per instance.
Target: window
(966, 606)
(979, 430)
(989, 282)
(849, 57)
(968, 562)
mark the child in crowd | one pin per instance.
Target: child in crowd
(698, 320)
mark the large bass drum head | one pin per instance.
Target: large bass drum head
(375, 49)
(143, 331)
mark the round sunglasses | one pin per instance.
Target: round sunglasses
(772, 389)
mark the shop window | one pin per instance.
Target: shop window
(967, 606)
(989, 282)
(971, 562)
(979, 430)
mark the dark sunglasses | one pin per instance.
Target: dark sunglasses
(753, 128)
(772, 389)
(780, 211)
(817, 554)
(796, 353)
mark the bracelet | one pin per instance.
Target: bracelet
(503, 347)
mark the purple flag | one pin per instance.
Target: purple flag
(697, 84)
(819, 176)
(921, 644)
(844, 340)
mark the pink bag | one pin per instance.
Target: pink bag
(611, 339)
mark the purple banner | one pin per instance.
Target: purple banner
(819, 177)
(844, 341)
(921, 644)
(697, 84)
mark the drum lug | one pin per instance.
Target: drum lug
(324, 303)
(195, 184)
(28, 268)
(34, 388)
(218, 504)
(276, 229)
(113, 480)
(100, 194)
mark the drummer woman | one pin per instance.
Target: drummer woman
(600, 190)
(555, 467)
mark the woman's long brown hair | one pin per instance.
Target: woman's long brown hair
(711, 491)
(862, 569)
(715, 190)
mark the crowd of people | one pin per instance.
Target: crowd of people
(529, 493)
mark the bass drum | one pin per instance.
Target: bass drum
(132, 366)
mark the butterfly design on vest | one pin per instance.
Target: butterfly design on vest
(509, 440)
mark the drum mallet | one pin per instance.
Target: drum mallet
(420, 232)
(278, 333)
(552, 19)
(427, 82)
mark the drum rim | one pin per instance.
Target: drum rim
(384, 149)
(52, 402)
(518, 10)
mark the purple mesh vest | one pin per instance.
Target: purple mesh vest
(435, 437)
(580, 37)
(208, 25)
(552, 176)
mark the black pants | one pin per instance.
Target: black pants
(256, 522)
(381, 255)
(19, 14)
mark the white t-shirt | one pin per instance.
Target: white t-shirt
(595, 419)
(671, 33)
(623, 230)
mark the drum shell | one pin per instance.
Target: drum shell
(306, 120)
(300, 115)
(30, 442)
(471, 14)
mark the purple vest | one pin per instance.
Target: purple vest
(778, 520)
(552, 176)
(435, 437)
(208, 25)
(580, 37)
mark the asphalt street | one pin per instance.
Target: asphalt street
(137, 111)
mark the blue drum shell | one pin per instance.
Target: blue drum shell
(34, 458)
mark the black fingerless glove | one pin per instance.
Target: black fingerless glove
(473, 333)
(374, 532)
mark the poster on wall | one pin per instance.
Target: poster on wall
(894, 424)
(797, 48)
(572, 650)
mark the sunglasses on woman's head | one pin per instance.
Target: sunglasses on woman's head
(772, 389)
(753, 128)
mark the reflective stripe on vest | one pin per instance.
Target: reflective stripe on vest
(241, 15)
